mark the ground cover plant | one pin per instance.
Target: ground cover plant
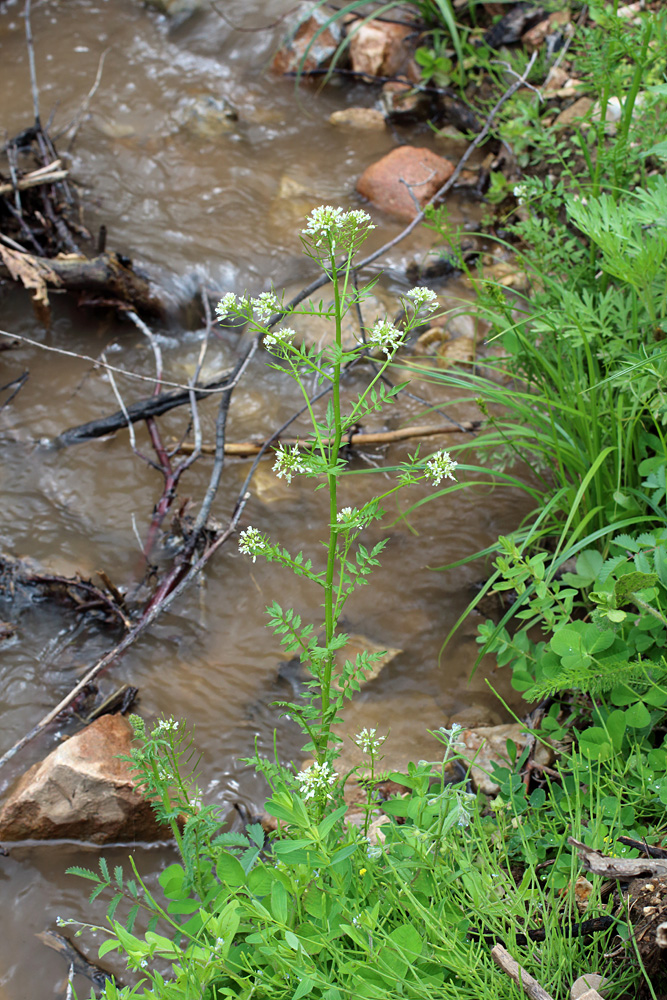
(327, 910)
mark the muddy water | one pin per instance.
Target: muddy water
(214, 210)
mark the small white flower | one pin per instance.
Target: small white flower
(279, 338)
(226, 304)
(165, 726)
(386, 337)
(316, 779)
(289, 462)
(144, 963)
(368, 741)
(520, 192)
(330, 227)
(219, 943)
(265, 305)
(439, 466)
(423, 299)
(252, 542)
(349, 517)
(451, 736)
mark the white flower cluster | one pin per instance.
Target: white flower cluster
(316, 779)
(440, 466)
(520, 192)
(265, 305)
(386, 337)
(331, 227)
(349, 518)
(226, 305)
(165, 726)
(252, 542)
(423, 299)
(279, 338)
(368, 741)
(289, 462)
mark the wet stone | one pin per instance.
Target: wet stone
(301, 51)
(208, 117)
(362, 119)
(379, 48)
(404, 179)
(82, 791)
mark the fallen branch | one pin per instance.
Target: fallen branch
(210, 387)
(45, 175)
(623, 868)
(359, 439)
(107, 275)
(131, 637)
(143, 409)
(531, 987)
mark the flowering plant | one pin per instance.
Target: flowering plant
(331, 237)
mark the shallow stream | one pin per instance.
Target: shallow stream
(222, 210)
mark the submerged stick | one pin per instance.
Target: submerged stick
(131, 637)
(246, 449)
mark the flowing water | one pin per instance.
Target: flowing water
(222, 210)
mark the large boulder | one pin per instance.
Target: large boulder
(82, 791)
(403, 179)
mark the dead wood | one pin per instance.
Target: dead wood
(76, 959)
(118, 703)
(621, 868)
(142, 409)
(109, 275)
(531, 987)
(45, 175)
(80, 594)
(358, 439)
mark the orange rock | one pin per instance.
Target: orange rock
(379, 48)
(534, 38)
(290, 56)
(575, 111)
(82, 791)
(403, 177)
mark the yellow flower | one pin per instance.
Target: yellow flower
(362, 871)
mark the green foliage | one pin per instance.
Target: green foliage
(320, 912)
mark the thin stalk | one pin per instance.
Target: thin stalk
(332, 483)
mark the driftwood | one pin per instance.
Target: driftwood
(45, 175)
(143, 409)
(79, 594)
(80, 964)
(246, 449)
(108, 275)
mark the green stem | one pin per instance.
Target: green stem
(329, 617)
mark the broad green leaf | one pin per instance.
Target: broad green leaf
(260, 880)
(230, 870)
(638, 716)
(595, 743)
(279, 901)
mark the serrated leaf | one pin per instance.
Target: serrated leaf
(82, 873)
